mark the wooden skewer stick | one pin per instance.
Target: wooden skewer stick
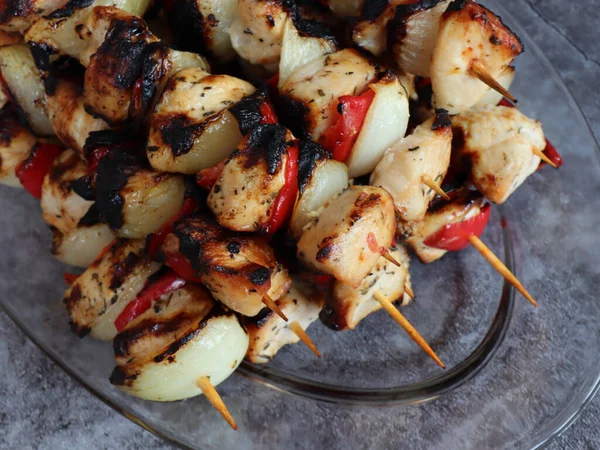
(214, 398)
(269, 303)
(387, 255)
(299, 331)
(427, 181)
(500, 267)
(478, 70)
(544, 158)
(409, 291)
(405, 324)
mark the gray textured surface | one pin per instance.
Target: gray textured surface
(42, 408)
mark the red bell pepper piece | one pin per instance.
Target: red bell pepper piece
(352, 111)
(207, 178)
(32, 171)
(284, 203)
(268, 113)
(94, 156)
(151, 292)
(157, 239)
(70, 278)
(273, 83)
(182, 267)
(552, 154)
(455, 236)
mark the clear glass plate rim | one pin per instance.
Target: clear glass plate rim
(541, 443)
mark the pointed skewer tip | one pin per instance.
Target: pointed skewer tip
(214, 398)
(387, 255)
(480, 72)
(269, 303)
(301, 333)
(500, 267)
(406, 325)
(427, 181)
(540, 154)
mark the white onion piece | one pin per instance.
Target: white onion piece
(385, 124)
(217, 36)
(493, 97)
(81, 246)
(150, 200)
(70, 35)
(25, 83)
(345, 8)
(297, 50)
(328, 179)
(218, 139)
(214, 352)
(419, 34)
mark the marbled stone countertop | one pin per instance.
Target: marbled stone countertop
(42, 408)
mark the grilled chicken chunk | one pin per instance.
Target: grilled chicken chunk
(311, 93)
(191, 127)
(498, 143)
(464, 206)
(17, 15)
(75, 31)
(348, 237)
(101, 293)
(370, 32)
(243, 196)
(133, 200)
(71, 122)
(116, 63)
(62, 207)
(15, 146)
(238, 269)
(425, 152)
(469, 35)
(269, 333)
(161, 354)
(82, 245)
(203, 26)
(348, 305)
(257, 30)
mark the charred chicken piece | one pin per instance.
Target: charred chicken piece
(15, 145)
(243, 196)
(348, 305)
(203, 26)
(192, 127)
(238, 269)
(62, 207)
(101, 293)
(17, 15)
(348, 237)
(469, 35)
(161, 354)
(269, 333)
(310, 94)
(66, 111)
(401, 170)
(497, 143)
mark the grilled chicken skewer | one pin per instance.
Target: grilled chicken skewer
(183, 346)
(472, 43)
(269, 333)
(421, 156)
(239, 270)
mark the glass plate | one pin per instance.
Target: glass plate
(529, 371)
